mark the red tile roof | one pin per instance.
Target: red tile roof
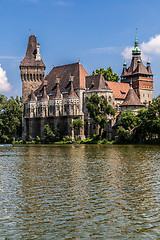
(120, 90)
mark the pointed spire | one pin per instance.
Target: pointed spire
(149, 67)
(58, 92)
(136, 40)
(32, 97)
(44, 94)
(132, 99)
(124, 72)
(124, 64)
(32, 54)
(148, 62)
(71, 92)
(136, 50)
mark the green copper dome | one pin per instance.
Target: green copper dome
(124, 64)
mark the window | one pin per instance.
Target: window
(109, 99)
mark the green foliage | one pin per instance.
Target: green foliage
(95, 140)
(10, 118)
(145, 126)
(128, 120)
(38, 140)
(99, 108)
(67, 138)
(77, 124)
(107, 74)
(48, 134)
(59, 131)
(124, 136)
(148, 122)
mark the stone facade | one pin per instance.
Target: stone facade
(60, 97)
(32, 68)
(141, 76)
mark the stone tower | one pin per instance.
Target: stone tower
(140, 76)
(32, 68)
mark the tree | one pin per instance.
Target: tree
(99, 109)
(156, 105)
(148, 122)
(107, 74)
(128, 125)
(144, 126)
(10, 118)
(77, 124)
(48, 134)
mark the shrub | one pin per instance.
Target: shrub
(67, 138)
(38, 140)
(48, 134)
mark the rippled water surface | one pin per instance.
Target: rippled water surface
(80, 192)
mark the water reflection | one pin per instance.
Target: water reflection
(80, 192)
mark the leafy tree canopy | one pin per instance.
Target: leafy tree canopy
(107, 74)
(10, 118)
(99, 108)
(144, 126)
(76, 124)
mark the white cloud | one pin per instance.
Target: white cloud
(152, 46)
(148, 49)
(127, 53)
(5, 86)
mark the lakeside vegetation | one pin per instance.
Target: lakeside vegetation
(143, 128)
(10, 118)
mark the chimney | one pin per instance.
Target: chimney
(38, 57)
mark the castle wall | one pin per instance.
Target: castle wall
(32, 77)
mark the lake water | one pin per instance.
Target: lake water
(80, 192)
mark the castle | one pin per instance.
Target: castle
(60, 97)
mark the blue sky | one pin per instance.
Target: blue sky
(99, 32)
